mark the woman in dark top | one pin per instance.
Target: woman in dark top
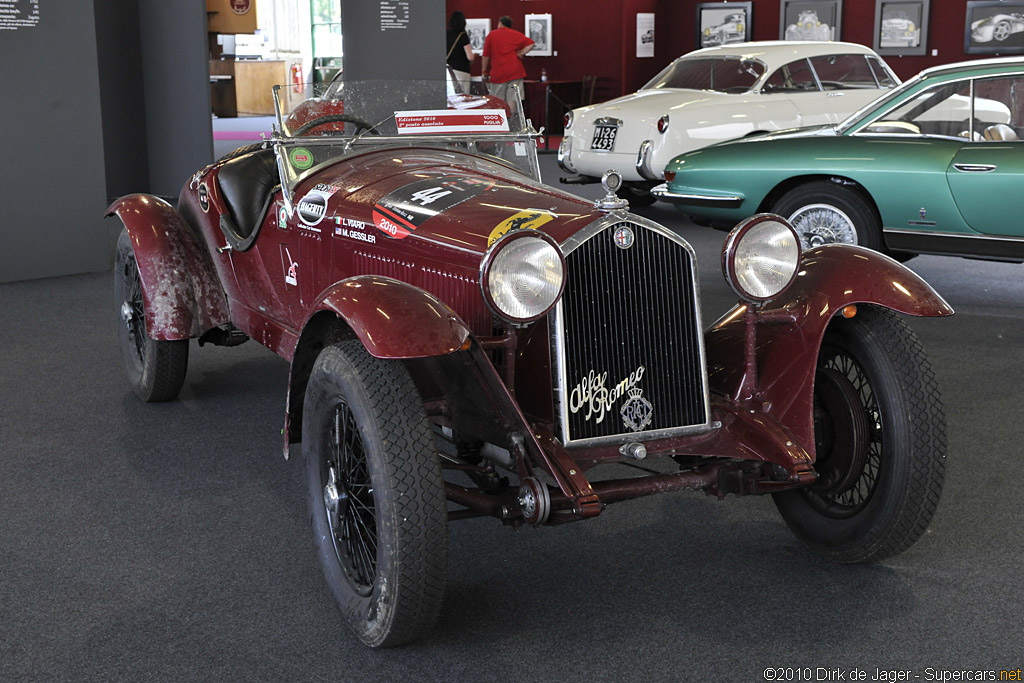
(460, 52)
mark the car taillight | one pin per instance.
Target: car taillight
(567, 120)
(663, 124)
(670, 176)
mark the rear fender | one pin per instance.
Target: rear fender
(180, 288)
(789, 331)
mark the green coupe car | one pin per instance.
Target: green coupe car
(934, 166)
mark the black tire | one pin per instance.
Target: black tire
(365, 433)
(880, 435)
(636, 194)
(825, 212)
(155, 369)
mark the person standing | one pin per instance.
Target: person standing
(503, 54)
(460, 51)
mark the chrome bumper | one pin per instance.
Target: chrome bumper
(721, 201)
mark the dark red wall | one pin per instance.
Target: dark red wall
(598, 37)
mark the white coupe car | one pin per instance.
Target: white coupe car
(716, 94)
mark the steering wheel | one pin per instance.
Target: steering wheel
(359, 123)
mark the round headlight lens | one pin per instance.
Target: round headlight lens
(523, 276)
(761, 257)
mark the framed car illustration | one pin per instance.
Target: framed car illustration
(477, 30)
(538, 27)
(719, 23)
(901, 28)
(994, 28)
(810, 19)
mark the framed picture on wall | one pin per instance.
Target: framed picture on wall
(719, 23)
(810, 19)
(994, 27)
(538, 28)
(477, 30)
(901, 27)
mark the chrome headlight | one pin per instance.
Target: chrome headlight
(522, 275)
(761, 257)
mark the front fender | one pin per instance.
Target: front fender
(790, 329)
(180, 288)
(394, 319)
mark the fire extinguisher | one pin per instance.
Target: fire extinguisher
(297, 82)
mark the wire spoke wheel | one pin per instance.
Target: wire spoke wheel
(155, 368)
(880, 442)
(348, 501)
(824, 212)
(818, 224)
(375, 494)
(848, 431)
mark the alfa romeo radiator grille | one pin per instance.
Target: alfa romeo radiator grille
(628, 324)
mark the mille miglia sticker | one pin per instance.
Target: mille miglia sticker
(594, 396)
(399, 213)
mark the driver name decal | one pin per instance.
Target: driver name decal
(399, 213)
(594, 396)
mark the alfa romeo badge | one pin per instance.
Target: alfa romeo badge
(624, 237)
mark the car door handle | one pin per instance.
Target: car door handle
(834, 93)
(975, 168)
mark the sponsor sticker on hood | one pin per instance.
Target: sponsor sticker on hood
(399, 213)
(528, 219)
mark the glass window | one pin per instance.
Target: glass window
(731, 75)
(941, 110)
(998, 104)
(843, 72)
(793, 77)
(882, 74)
(325, 16)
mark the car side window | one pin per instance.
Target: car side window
(793, 77)
(999, 109)
(943, 109)
(843, 72)
(882, 75)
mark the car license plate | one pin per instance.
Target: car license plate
(604, 138)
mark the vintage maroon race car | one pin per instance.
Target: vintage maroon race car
(466, 341)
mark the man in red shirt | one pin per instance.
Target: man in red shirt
(504, 48)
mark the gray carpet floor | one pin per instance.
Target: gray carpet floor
(169, 542)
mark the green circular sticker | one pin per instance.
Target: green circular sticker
(301, 158)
